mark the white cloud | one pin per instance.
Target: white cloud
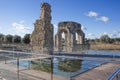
(97, 16)
(92, 14)
(55, 26)
(90, 34)
(103, 18)
(113, 34)
(83, 28)
(105, 33)
(20, 29)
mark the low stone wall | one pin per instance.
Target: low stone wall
(80, 47)
(104, 46)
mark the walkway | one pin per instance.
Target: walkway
(99, 73)
(9, 71)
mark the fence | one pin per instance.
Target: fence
(64, 63)
(115, 75)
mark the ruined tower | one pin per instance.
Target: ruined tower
(42, 36)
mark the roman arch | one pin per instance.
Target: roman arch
(42, 37)
(73, 36)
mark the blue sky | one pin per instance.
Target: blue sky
(97, 17)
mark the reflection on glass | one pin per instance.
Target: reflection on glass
(43, 65)
(69, 65)
(66, 65)
(59, 66)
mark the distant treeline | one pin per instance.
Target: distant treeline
(10, 39)
(104, 39)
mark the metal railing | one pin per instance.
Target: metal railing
(18, 57)
(115, 75)
(37, 56)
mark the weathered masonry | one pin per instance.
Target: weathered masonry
(42, 36)
(73, 37)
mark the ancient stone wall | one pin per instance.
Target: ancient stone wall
(70, 29)
(42, 36)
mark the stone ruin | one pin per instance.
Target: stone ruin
(42, 36)
(43, 41)
(74, 37)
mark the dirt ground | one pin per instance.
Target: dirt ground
(99, 46)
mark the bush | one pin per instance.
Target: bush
(26, 39)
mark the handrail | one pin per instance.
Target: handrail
(71, 57)
(115, 73)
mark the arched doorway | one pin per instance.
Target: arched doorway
(68, 36)
(63, 40)
(76, 38)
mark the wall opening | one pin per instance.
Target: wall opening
(63, 40)
(76, 37)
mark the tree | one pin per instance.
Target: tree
(16, 39)
(8, 38)
(26, 39)
(105, 39)
(97, 40)
(87, 41)
(116, 40)
(1, 38)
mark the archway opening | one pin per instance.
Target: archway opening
(63, 35)
(76, 38)
(63, 40)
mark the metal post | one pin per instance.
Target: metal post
(52, 68)
(5, 58)
(70, 72)
(29, 62)
(18, 66)
(113, 56)
(115, 74)
(13, 54)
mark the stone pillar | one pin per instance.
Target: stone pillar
(81, 37)
(56, 43)
(42, 36)
(59, 42)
